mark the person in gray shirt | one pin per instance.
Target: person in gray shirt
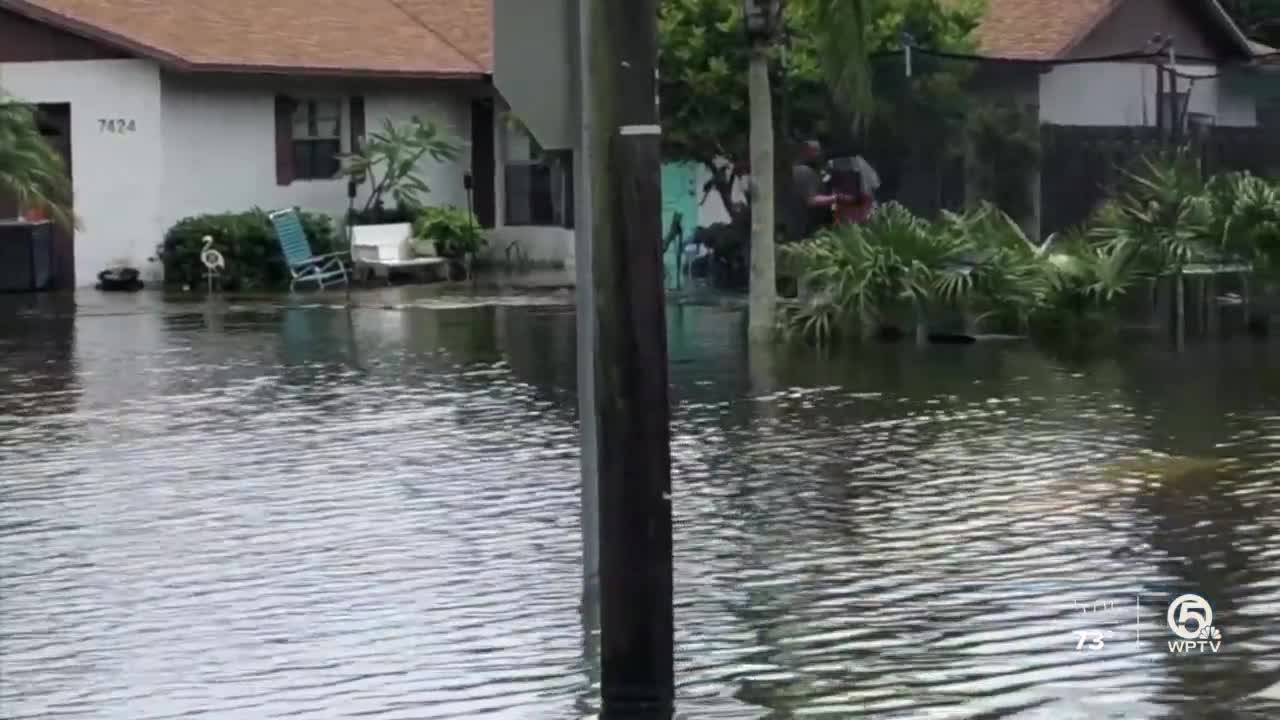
(810, 201)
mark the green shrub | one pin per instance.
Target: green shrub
(396, 152)
(247, 242)
(857, 277)
(453, 231)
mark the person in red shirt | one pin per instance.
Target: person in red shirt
(853, 184)
(813, 203)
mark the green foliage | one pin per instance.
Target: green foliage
(453, 232)
(843, 34)
(1084, 276)
(1005, 141)
(824, 74)
(1007, 277)
(945, 25)
(1260, 19)
(1244, 213)
(247, 242)
(841, 41)
(702, 60)
(855, 277)
(395, 153)
(1160, 222)
(32, 171)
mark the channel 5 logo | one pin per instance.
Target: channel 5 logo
(1190, 617)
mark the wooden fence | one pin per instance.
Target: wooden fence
(1081, 166)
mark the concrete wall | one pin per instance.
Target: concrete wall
(219, 137)
(115, 174)
(1110, 94)
(544, 246)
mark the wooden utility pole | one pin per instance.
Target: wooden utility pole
(622, 151)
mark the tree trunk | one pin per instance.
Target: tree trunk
(764, 291)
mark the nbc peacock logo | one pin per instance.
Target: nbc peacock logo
(1190, 617)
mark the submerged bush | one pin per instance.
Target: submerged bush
(452, 232)
(856, 278)
(247, 242)
(1244, 219)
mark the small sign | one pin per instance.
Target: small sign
(117, 126)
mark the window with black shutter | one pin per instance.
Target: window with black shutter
(539, 183)
(316, 139)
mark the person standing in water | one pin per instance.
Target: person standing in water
(856, 182)
(811, 204)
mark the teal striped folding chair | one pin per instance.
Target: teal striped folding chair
(323, 270)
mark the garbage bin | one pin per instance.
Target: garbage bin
(26, 255)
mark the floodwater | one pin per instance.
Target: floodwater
(267, 510)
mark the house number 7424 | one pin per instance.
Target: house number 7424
(119, 126)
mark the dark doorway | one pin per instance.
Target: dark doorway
(483, 161)
(55, 126)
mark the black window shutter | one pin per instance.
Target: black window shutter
(484, 165)
(284, 140)
(357, 122)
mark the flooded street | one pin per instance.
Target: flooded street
(269, 510)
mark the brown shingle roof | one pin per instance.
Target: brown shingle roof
(413, 38)
(1037, 29)
(1047, 29)
(467, 24)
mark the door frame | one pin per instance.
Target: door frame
(54, 120)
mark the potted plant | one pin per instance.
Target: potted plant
(388, 162)
(449, 232)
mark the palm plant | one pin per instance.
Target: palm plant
(979, 261)
(1007, 276)
(32, 171)
(1084, 275)
(1160, 224)
(1245, 219)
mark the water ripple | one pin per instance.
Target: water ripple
(305, 512)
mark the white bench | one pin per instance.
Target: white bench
(383, 249)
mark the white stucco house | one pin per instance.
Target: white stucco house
(1102, 75)
(169, 108)
(1051, 50)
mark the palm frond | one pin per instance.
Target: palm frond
(843, 51)
(31, 170)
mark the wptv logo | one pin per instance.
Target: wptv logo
(1190, 617)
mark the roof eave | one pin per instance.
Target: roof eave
(1223, 18)
(87, 30)
(181, 64)
(1232, 28)
(330, 72)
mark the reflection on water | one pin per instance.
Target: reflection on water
(258, 511)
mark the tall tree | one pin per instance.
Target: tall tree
(763, 290)
(31, 171)
(704, 58)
